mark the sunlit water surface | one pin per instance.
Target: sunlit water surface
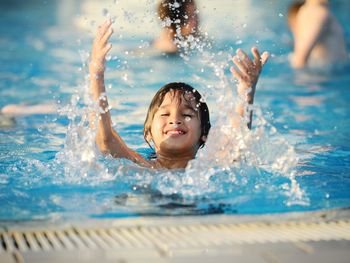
(296, 158)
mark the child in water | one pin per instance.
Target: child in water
(177, 121)
(318, 37)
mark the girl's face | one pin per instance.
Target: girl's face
(176, 126)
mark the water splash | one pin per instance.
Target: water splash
(80, 159)
(235, 149)
(233, 158)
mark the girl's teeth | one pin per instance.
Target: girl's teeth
(175, 132)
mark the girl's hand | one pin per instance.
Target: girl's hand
(247, 72)
(100, 48)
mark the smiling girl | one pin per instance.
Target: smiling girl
(177, 122)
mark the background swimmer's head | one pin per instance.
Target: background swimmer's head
(293, 10)
(180, 16)
(182, 91)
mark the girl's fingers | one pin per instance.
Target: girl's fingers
(106, 36)
(235, 73)
(101, 45)
(244, 58)
(247, 70)
(256, 55)
(264, 57)
(240, 65)
(100, 53)
(103, 28)
(106, 49)
(260, 60)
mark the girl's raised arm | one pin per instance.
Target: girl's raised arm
(247, 73)
(107, 139)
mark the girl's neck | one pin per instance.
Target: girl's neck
(173, 162)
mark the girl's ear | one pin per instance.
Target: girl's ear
(204, 138)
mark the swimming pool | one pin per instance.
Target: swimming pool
(297, 158)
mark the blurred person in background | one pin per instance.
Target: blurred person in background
(23, 109)
(318, 37)
(179, 20)
(10, 111)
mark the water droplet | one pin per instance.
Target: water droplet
(105, 12)
(190, 38)
(125, 77)
(280, 15)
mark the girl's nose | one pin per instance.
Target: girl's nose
(175, 122)
(175, 119)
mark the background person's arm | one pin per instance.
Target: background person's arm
(310, 22)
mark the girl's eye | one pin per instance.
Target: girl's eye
(188, 117)
(164, 114)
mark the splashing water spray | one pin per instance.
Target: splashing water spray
(232, 156)
(240, 151)
(80, 157)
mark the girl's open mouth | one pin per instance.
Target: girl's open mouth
(175, 132)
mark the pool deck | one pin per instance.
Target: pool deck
(292, 237)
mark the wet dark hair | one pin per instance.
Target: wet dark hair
(184, 89)
(176, 11)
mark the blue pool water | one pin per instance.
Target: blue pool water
(297, 158)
